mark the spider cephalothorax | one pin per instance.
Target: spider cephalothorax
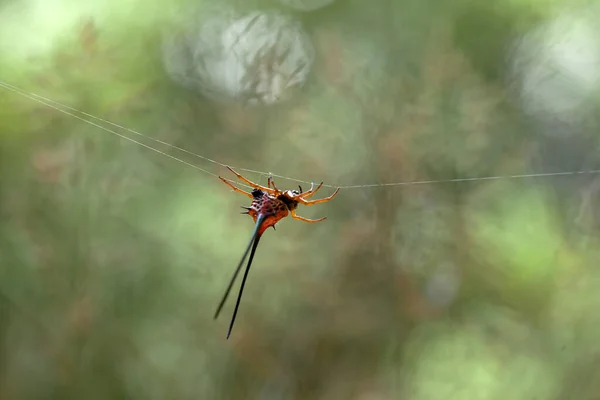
(269, 205)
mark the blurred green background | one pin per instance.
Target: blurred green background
(113, 257)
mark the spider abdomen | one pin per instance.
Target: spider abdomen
(273, 208)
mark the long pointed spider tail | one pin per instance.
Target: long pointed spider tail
(257, 226)
(237, 303)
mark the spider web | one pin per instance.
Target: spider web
(85, 117)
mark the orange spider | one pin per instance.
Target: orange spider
(269, 205)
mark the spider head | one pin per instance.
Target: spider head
(291, 193)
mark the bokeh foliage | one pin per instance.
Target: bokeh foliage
(113, 257)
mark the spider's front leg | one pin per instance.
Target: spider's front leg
(313, 202)
(310, 192)
(310, 221)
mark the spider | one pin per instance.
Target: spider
(269, 205)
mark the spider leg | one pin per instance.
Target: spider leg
(310, 221)
(313, 202)
(235, 188)
(271, 184)
(311, 192)
(254, 185)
